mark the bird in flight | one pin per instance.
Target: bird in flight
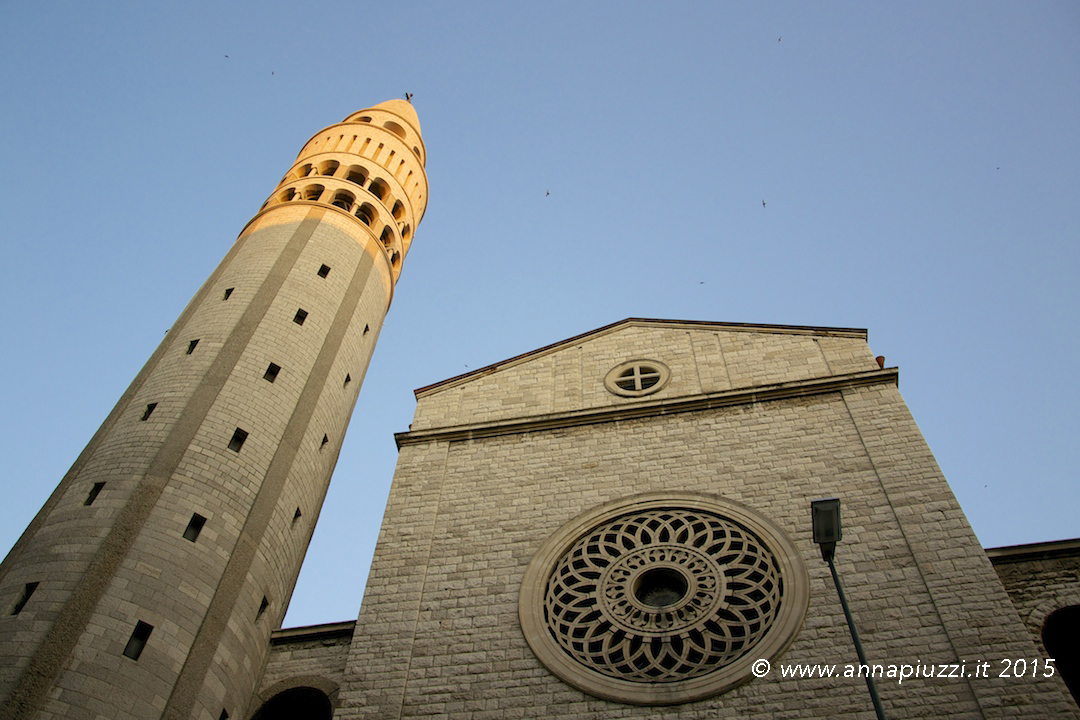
(762, 203)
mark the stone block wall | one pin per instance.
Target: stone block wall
(1040, 578)
(439, 633)
(307, 657)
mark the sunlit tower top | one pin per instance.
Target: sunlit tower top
(371, 165)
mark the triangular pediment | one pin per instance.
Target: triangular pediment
(641, 360)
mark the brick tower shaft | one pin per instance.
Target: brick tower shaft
(149, 583)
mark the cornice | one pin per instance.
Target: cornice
(668, 406)
(1034, 551)
(327, 631)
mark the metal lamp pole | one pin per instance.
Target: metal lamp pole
(825, 515)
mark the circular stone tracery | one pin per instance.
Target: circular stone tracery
(652, 590)
(662, 599)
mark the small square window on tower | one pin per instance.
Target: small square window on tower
(191, 346)
(228, 292)
(262, 608)
(138, 639)
(271, 372)
(24, 598)
(238, 438)
(194, 527)
(324, 270)
(300, 317)
(148, 411)
(94, 492)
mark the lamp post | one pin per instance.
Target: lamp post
(825, 515)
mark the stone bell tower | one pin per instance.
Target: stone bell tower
(149, 583)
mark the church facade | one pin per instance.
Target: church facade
(537, 502)
(615, 525)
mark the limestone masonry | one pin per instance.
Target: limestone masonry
(615, 525)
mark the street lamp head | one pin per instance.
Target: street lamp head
(825, 515)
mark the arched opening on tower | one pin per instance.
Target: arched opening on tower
(1061, 638)
(379, 189)
(300, 172)
(387, 237)
(367, 214)
(343, 200)
(356, 174)
(299, 702)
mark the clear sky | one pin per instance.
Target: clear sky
(919, 165)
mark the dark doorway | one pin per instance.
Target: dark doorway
(299, 702)
(1061, 637)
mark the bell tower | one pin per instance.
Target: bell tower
(149, 583)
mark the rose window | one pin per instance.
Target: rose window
(664, 602)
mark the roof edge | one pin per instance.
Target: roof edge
(325, 631)
(1034, 551)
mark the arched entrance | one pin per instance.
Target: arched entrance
(1061, 638)
(298, 703)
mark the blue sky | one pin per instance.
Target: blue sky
(920, 165)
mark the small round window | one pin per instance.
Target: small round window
(637, 377)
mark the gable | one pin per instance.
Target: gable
(697, 358)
